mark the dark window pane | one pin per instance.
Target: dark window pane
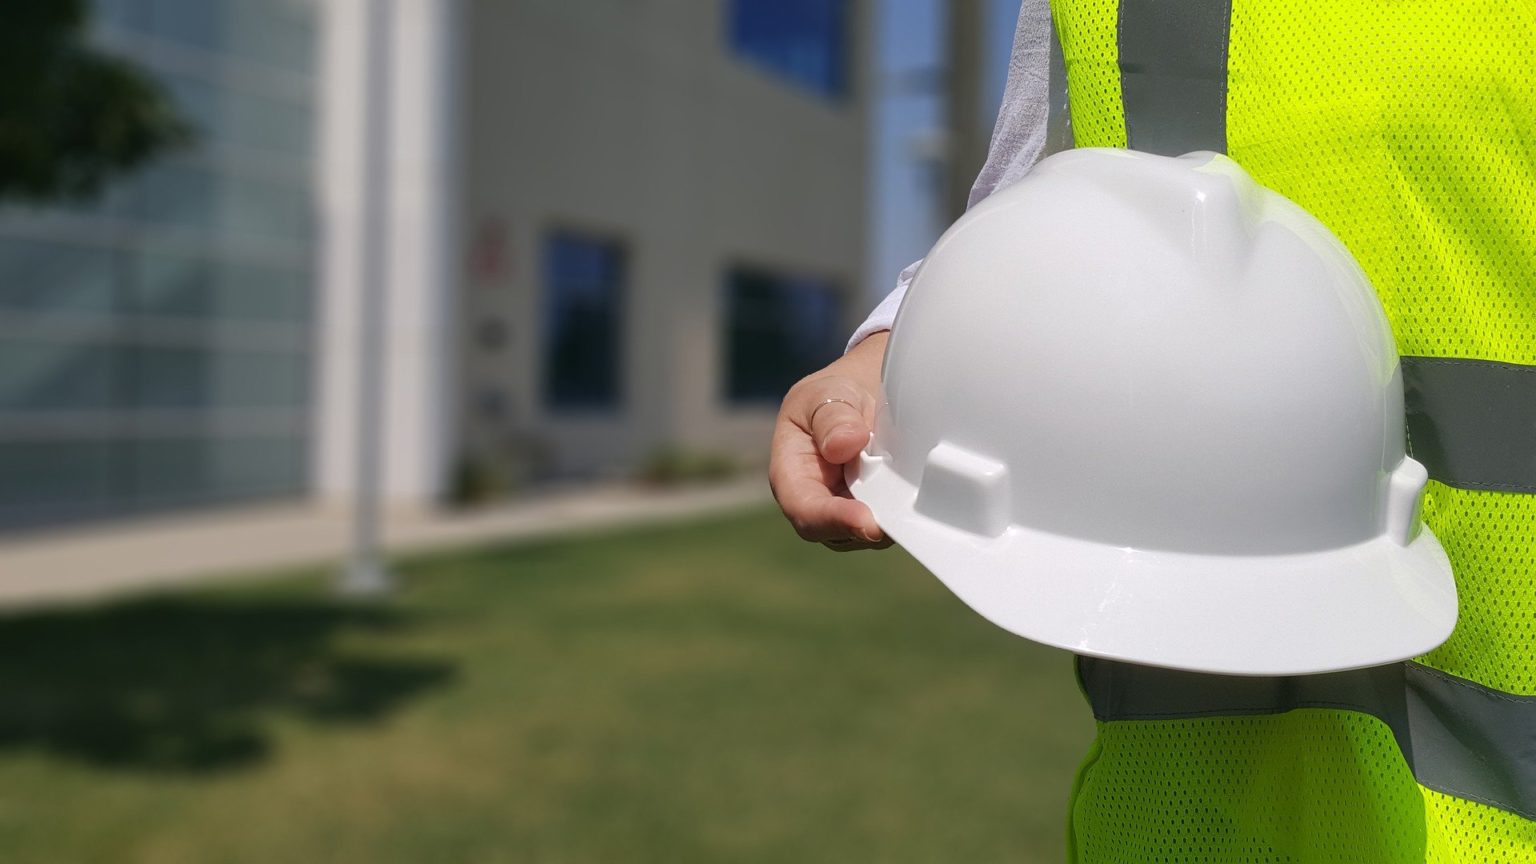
(195, 197)
(43, 482)
(172, 285)
(582, 313)
(778, 329)
(127, 14)
(53, 374)
(42, 276)
(225, 114)
(274, 34)
(802, 40)
(184, 285)
(55, 476)
(218, 379)
(172, 471)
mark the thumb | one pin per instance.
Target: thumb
(839, 428)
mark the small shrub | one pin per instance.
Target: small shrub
(671, 465)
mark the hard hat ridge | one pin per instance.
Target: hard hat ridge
(1206, 208)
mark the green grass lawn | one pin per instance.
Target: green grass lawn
(719, 692)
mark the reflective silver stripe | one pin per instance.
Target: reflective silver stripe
(1472, 422)
(1125, 691)
(1173, 74)
(1471, 741)
(1459, 737)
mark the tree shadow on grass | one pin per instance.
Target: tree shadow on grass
(189, 685)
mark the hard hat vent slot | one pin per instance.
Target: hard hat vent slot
(964, 490)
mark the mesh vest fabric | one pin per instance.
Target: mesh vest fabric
(1409, 128)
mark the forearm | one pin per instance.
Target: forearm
(862, 361)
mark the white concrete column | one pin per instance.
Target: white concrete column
(421, 249)
(413, 58)
(341, 176)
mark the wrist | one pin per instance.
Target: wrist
(862, 362)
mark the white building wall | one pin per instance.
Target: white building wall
(635, 121)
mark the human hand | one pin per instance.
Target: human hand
(823, 424)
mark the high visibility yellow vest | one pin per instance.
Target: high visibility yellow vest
(1409, 128)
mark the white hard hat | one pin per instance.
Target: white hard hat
(1144, 408)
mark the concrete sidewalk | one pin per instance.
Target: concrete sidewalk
(87, 564)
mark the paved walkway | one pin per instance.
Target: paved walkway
(85, 564)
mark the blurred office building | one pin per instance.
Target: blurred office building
(576, 237)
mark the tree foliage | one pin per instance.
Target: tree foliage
(72, 117)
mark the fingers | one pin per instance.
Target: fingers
(851, 545)
(823, 424)
(839, 523)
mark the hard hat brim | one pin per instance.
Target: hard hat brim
(1294, 614)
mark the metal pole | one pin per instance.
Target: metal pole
(968, 129)
(366, 573)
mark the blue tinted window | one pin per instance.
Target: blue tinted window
(778, 329)
(802, 40)
(584, 286)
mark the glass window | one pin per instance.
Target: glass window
(52, 374)
(584, 287)
(175, 284)
(778, 329)
(803, 40)
(39, 478)
(142, 325)
(43, 482)
(223, 113)
(172, 285)
(44, 277)
(179, 194)
(218, 379)
(173, 470)
(276, 33)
